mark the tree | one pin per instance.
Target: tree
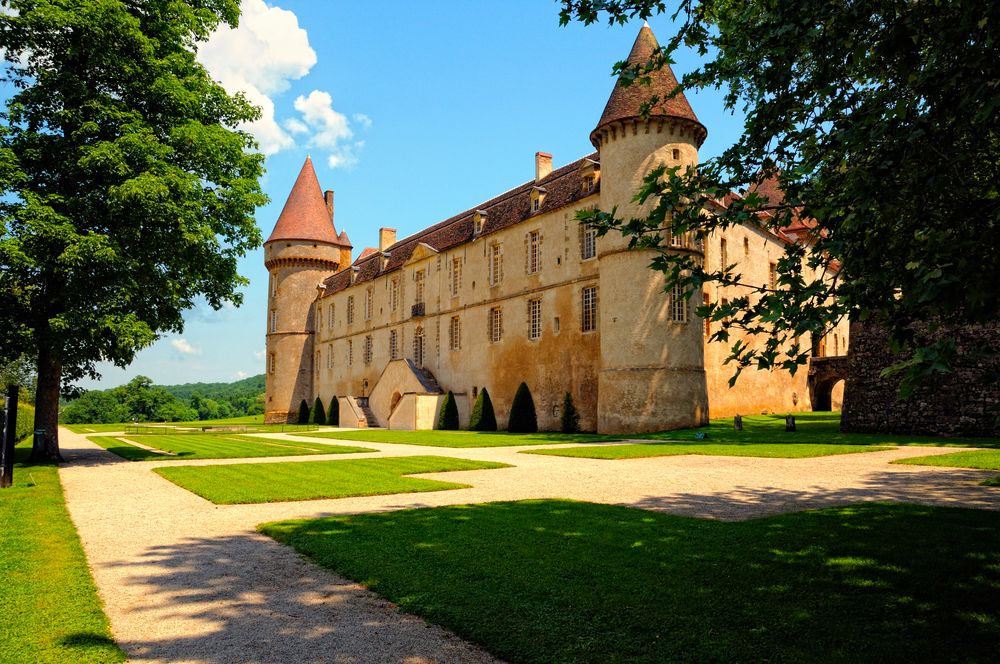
(125, 194)
(570, 421)
(334, 414)
(303, 412)
(448, 416)
(483, 418)
(318, 414)
(522, 412)
(871, 131)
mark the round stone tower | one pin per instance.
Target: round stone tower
(652, 374)
(301, 252)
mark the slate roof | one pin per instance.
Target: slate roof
(305, 215)
(563, 186)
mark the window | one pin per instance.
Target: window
(588, 241)
(350, 309)
(329, 356)
(536, 203)
(330, 322)
(369, 303)
(588, 321)
(496, 324)
(534, 319)
(496, 263)
(270, 363)
(393, 293)
(678, 305)
(369, 345)
(533, 255)
(274, 321)
(418, 347)
(455, 278)
(723, 253)
(393, 345)
(316, 364)
(772, 276)
(676, 154)
(350, 352)
(836, 350)
(746, 246)
(588, 183)
(319, 315)
(274, 286)
(708, 321)
(455, 334)
(418, 295)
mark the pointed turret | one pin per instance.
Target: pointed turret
(305, 216)
(625, 103)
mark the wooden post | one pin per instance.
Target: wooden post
(738, 423)
(790, 423)
(9, 432)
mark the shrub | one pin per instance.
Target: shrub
(319, 415)
(448, 417)
(333, 416)
(25, 424)
(483, 418)
(570, 417)
(522, 412)
(303, 412)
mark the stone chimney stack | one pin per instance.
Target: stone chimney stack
(328, 197)
(543, 165)
(386, 238)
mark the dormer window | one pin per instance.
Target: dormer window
(590, 173)
(537, 198)
(478, 221)
(385, 259)
(354, 273)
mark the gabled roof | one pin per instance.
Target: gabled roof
(305, 215)
(626, 103)
(564, 186)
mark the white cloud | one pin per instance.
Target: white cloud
(259, 354)
(183, 347)
(363, 120)
(329, 127)
(241, 375)
(296, 126)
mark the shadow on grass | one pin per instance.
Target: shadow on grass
(543, 581)
(87, 640)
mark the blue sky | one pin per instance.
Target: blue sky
(411, 112)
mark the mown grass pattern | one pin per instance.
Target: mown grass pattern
(459, 439)
(783, 451)
(214, 446)
(308, 480)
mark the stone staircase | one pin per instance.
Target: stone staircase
(426, 378)
(366, 409)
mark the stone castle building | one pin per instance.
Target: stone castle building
(516, 289)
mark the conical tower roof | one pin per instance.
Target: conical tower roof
(305, 215)
(626, 103)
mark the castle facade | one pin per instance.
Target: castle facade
(516, 289)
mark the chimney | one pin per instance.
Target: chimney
(543, 165)
(328, 197)
(386, 238)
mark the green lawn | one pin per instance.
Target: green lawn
(459, 438)
(48, 602)
(214, 446)
(558, 581)
(980, 459)
(309, 480)
(253, 424)
(643, 450)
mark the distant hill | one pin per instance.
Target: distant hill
(251, 386)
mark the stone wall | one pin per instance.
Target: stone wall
(965, 402)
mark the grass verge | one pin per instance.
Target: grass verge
(214, 446)
(644, 450)
(50, 608)
(979, 459)
(309, 480)
(460, 439)
(559, 581)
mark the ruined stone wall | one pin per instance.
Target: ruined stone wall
(965, 402)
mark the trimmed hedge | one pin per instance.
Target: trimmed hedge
(25, 424)
(483, 418)
(318, 414)
(333, 415)
(303, 413)
(522, 412)
(570, 417)
(448, 417)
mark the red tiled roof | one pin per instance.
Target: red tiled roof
(563, 186)
(305, 215)
(626, 102)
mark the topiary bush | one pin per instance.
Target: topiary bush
(25, 421)
(570, 422)
(318, 415)
(448, 417)
(522, 412)
(483, 418)
(303, 412)
(333, 416)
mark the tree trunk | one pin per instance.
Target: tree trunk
(47, 406)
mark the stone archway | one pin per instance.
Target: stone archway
(824, 374)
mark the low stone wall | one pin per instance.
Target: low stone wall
(965, 402)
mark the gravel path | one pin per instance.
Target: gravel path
(183, 580)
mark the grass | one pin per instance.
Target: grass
(644, 450)
(214, 446)
(309, 480)
(50, 608)
(558, 581)
(979, 459)
(252, 423)
(459, 439)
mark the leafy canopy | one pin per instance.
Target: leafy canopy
(877, 120)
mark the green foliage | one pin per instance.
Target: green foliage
(318, 414)
(482, 417)
(561, 581)
(522, 412)
(189, 446)
(303, 412)
(765, 450)
(25, 421)
(242, 397)
(570, 420)
(878, 121)
(448, 415)
(125, 192)
(333, 417)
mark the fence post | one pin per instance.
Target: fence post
(9, 432)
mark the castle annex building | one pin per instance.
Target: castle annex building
(516, 289)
